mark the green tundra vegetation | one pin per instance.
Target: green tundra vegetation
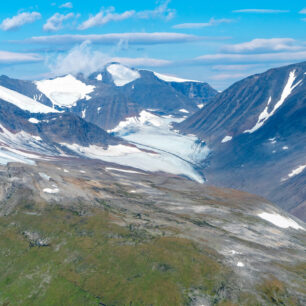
(50, 255)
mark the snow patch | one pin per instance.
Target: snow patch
(184, 111)
(65, 91)
(51, 190)
(122, 75)
(297, 171)
(23, 101)
(174, 79)
(33, 120)
(280, 221)
(240, 264)
(200, 106)
(99, 77)
(226, 139)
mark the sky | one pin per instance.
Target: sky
(219, 42)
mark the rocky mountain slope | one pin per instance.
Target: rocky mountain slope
(74, 230)
(256, 133)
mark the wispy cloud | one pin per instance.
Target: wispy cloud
(264, 45)
(104, 17)
(114, 38)
(233, 67)
(303, 11)
(19, 20)
(82, 59)
(226, 58)
(228, 76)
(261, 11)
(108, 15)
(66, 5)
(161, 11)
(212, 22)
(55, 22)
(13, 57)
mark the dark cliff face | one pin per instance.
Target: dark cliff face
(54, 127)
(265, 116)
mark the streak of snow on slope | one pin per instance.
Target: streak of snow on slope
(294, 172)
(265, 115)
(170, 78)
(123, 170)
(10, 157)
(23, 102)
(226, 139)
(280, 221)
(154, 132)
(21, 147)
(136, 158)
(122, 75)
(65, 91)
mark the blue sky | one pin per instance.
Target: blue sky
(218, 42)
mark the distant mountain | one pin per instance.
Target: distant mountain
(117, 92)
(64, 120)
(256, 131)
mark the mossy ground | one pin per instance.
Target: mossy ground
(91, 260)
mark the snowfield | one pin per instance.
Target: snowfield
(65, 91)
(24, 102)
(280, 221)
(122, 75)
(174, 79)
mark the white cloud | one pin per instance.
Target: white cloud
(161, 11)
(13, 57)
(264, 45)
(227, 76)
(107, 15)
(66, 5)
(261, 11)
(233, 67)
(303, 11)
(82, 59)
(251, 58)
(114, 38)
(55, 22)
(212, 22)
(19, 20)
(104, 17)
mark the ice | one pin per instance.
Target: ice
(280, 221)
(65, 91)
(170, 78)
(23, 102)
(122, 75)
(226, 139)
(240, 264)
(265, 115)
(154, 133)
(136, 158)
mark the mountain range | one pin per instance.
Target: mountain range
(128, 179)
